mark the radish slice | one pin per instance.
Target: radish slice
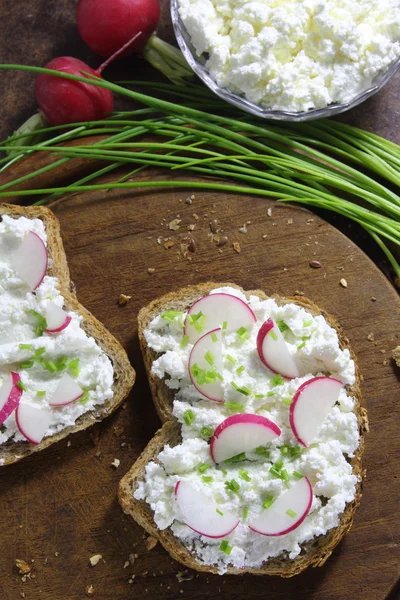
(273, 351)
(287, 512)
(241, 433)
(56, 318)
(311, 405)
(33, 422)
(10, 395)
(67, 391)
(217, 310)
(200, 512)
(30, 260)
(207, 347)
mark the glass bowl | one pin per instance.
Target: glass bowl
(198, 66)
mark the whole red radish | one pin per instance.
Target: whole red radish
(64, 101)
(106, 25)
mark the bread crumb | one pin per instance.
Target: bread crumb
(115, 463)
(184, 576)
(123, 299)
(236, 247)
(150, 270)
(370, 337)
(174, 224)
(269, 212)
(118, 431)
(56, 554)
(150, 542)
(95, 559)
(126, 564)
(22, 566)
(89, 590)
(169, 244)
(396, 355)
(373, 298)
(68, 443)
(289, 221)
(343, 283)
(243, 229)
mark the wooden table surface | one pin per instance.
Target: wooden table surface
(59, 508)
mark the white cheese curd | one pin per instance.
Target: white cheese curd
(18, 326)
(324, 462)
(294, 55)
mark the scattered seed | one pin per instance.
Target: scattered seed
(89, 590)
(373, 298)
(150, 542)
(192, 245)
(269, 212)
(371, 337)
(195, 216)
(169, 244)
(298, 293)
(222, 241)
(95, 559)
(174, 224)
(343, 283)
(214, 226)
(150, 270)
(315, 264)
(265, 236)
(126, 564)
(191, 227)
(22, 566)
(115, 463)
(289, 221)
(123, 299)
(236, 247)
(243, 229)
(184, 576)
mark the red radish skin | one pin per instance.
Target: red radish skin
(296, 398)
(241, 419)
(61, 328)
(10, 403)
(64, 101)
(106, 25)
(265, 328)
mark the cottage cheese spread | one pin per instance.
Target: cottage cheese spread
(294, 55)
(323, 462)
(17, 327)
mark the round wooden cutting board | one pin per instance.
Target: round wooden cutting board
(59, 508)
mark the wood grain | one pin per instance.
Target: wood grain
(59, 508)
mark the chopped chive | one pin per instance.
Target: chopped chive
(207, 479)
(203, 467)
(273, 335)
(243, 474)
(234, 406)
(188, 416)
(259, 396)
(285, 450)
(197, 321)
(240, 370)
(237, 458)
(214, 337)
(185, 341)
(278, 465)
(300, 346)
(225, 547)
(277, 380)
(262, 451)
(40, 393)
(224, 325)
(232, 486)
(206, 431)
(306, 337)
(21, 386)
(270, 394)
(25, 346)
(242, 390)
(203, 376)
(282, 326)
(219, 376)
(27, 364)
(275, 472)
(243, 333)
(224, 471)
(170, 315)
(84, 398)
(268, 502)
(307, 323)
(245, 512)
(73, 366)
(231, 359)
(61, 363)
(297, 474)
(219, 512)
(285, 475)
(210, 358)
(287, 401)
(50, 366)
(291, 513)
(41, 323)
(39, 352)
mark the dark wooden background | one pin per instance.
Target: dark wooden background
(59, 508)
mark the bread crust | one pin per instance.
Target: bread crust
(315, 552)
(124, 374)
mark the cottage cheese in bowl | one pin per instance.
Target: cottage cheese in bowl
(241, 487)
(294, 55)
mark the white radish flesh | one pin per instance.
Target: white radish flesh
(207, 347)
(30, 260)
(273, 351)
(67, 391)
(33, 422)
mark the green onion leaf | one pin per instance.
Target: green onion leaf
(73, 366)
(270, 394)
(234, 406)
(259, 396)
(282, 326)
(25, 346)
(262, 451)
(39, 352)
(41, 323)
(232, 486)
(237, 458)
(206, 431)
(27, 364)
(207, 479)
(219, 512)
(188, 416)
(243, 474)
(185, 341)
(307, 323)
(40, 393)
(21, 386)
(291, 513)
(268, 502)
(240, 370)
(300, 346)
(198, 321)
(171, 315)
(203, 467)
(286, 401)
(273, 335)
(225, 547)
(243, 334)
(210, 358)
(245, 512)
(297, 474)
(231, 359)
(224, 325)
(277, 380)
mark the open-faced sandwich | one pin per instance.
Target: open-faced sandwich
(60, 369)
(258, 465)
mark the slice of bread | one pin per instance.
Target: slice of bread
(124, 375)
(315, 552)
